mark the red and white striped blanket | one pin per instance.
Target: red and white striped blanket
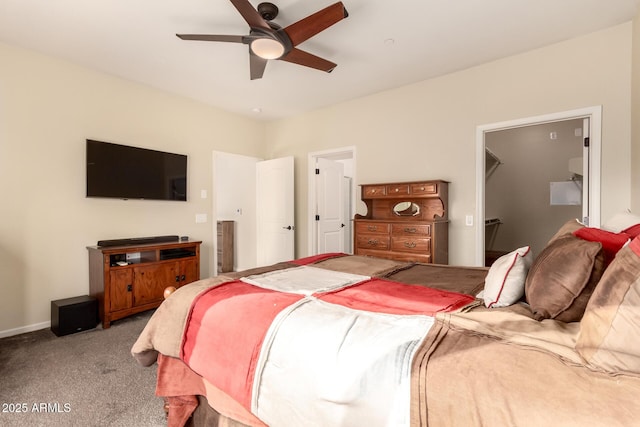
(314, 347)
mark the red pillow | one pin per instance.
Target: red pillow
(611, 242)
(632, 231)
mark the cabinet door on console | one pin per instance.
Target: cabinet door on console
(120, 296)
(151, 281)
(189, 271)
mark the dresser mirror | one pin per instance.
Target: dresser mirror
(406, 209)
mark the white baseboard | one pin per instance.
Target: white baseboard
(24, 329)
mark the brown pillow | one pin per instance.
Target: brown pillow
(563, 277)
(610, 329)
(567, 228)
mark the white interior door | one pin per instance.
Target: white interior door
(347, 215)
(347, 157)
(275, 227)
(330, 210)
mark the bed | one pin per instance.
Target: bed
(344, 340)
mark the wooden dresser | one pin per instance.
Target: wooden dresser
(406, 221)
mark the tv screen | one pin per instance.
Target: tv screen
(125, 172)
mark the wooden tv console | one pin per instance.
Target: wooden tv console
(139, 283)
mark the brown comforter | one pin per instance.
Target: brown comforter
(500, 367)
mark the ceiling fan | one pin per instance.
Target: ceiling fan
(268, 40)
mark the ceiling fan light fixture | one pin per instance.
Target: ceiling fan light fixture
(267, 48)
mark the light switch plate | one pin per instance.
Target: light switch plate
(469, 220)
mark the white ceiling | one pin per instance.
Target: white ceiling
(381, 45)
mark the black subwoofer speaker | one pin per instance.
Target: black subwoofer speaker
(73, 315)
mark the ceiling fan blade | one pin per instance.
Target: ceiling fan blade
(307, 59)
(250, 14)
(215, 38)
(315, 23)
(256, 65)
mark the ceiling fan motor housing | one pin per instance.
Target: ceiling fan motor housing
(267, 10)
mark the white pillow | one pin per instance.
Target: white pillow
(621, 221)
(504, 284)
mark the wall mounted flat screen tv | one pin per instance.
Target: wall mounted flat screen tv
(124, 172)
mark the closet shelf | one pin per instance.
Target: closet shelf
(491, 162)
(492, 221)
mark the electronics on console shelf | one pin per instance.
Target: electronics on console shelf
(176, 253)
(138, 241)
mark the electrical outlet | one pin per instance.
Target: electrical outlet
(200, 218)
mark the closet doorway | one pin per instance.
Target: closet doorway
(534, 174)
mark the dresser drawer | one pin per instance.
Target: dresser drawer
(398, 256)
(372, 241)
(372, 227)
(411, 244)
(369, 191)
(411, 230)
(421, 188)
(398, 190)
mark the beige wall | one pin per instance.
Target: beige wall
(425, 130)
(635, 117)
(428, 130)
(47, 110)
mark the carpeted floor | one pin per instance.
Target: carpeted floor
(84, 379)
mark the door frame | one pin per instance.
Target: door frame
(594, 114)
(242, 209)
(342, 153)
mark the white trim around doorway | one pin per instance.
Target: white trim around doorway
(595, 140)
(331, 154)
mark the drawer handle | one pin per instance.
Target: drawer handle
(372, 227)
(410, 230)
(373, 242)
(421, 188)
(397, 189)
(410, 245)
